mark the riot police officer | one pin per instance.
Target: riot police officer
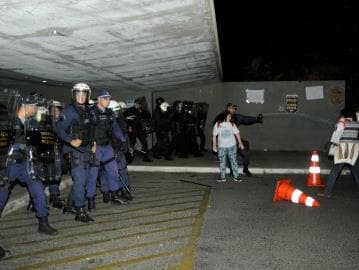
(162, 125)
(21, 162)
(202, 108)
(135, 116)
(105, 128)
(50, 150)
(185, 138)
(75, 129)
(122, 151)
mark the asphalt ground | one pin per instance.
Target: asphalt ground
(189, 221)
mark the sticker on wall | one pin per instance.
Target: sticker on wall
(291, 103)
(336, 95)
(255, 96)
(314, 92)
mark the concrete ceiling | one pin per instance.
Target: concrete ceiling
(119, 44)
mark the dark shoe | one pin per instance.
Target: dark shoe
(91, 204)
(82, 216)
(237, 179)
(147, 159)
(126, 195)
(69, 207)
(325, 195)
(106, 197)
(116, 198)
(168, 158)
(45, 228)
(247, 172)
(4, 253)
(56, 201)
(69, 210)
(221, 180)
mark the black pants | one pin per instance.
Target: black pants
(142, 138)
(202, 139)
(163, 145)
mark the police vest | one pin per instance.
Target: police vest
(103, 126)
(83, 128)
(27, 133)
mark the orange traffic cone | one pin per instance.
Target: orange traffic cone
(313, 179)
(286, 191)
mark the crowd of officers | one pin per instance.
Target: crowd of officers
(41, 140)
(93, 140)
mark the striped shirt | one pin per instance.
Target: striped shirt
(350, 132)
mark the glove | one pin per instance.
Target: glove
(260, 118)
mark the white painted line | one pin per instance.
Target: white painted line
(182, 169)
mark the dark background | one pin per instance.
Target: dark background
(292, 40)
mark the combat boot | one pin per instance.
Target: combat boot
(56, 201)
(82, 216)
(69, 207)
(116, 198)
(126, 195)
(4, 253)
(45, 228)
(246, 171)
(106, 197)
(91, 204)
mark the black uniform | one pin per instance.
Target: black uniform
(162, 124)
(138, 129)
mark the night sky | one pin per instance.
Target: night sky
(291, 40)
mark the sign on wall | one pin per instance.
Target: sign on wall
(255, 96)
(291, 103)
(314, 92)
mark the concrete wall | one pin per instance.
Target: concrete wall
(308, 128)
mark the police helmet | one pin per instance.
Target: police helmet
(114, 105)
(55, 103)
(159, 101)
(81, 87)
(123, 105)
(164, 106)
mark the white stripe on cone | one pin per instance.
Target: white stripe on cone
(295, 195)
(315, 158)
(309, 201)
(314, 169)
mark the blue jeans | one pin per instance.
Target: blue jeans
(231, 154)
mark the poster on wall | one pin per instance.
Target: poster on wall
(255, 96)
(314, 92)
(291, 103)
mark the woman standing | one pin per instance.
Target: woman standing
(225, 133)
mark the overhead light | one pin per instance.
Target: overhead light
(44, 81)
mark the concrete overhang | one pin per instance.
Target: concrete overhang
(118, 44)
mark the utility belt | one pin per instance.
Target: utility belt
(18, 156)
(103, 142)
